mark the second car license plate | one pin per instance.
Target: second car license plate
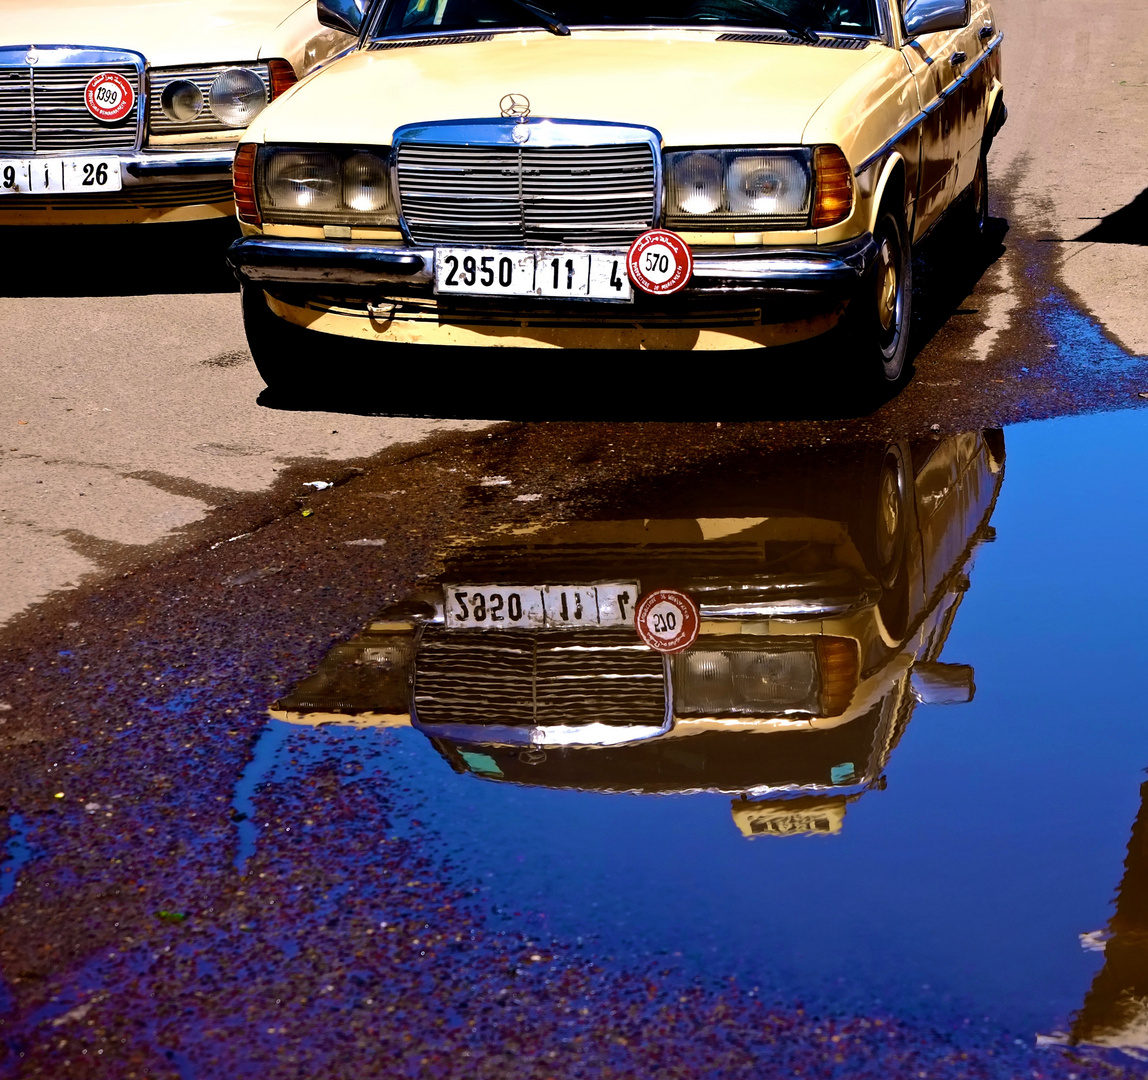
(566, 273)
(30, 176)
(538, 607)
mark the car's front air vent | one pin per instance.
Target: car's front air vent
(446, 39)
(786, 39)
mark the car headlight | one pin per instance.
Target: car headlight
(765, 676)
(237, 97)
(732, 190)
(214, 97)
(325, 185)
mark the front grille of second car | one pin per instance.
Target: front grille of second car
(594, 195)
(538, 678)
(62, 121)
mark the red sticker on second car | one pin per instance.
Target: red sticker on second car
(109, 96)
(659, 262)
(667, 620)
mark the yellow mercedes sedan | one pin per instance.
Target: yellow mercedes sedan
(121, 112)
(685, 175)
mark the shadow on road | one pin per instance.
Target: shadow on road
(1128, 225)
(117, 260)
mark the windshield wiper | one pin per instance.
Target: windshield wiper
(551, 22)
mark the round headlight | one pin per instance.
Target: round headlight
(366, 184)
(697, 184)
(758, 184)
(237, 97)
(181, 101)
(302, 180)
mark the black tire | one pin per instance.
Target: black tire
(877, 320)
(284, 354)
(891, 528)
(978, 208)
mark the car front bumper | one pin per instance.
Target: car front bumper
(832, 271)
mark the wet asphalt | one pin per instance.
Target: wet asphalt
(173, 908)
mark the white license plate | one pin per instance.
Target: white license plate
(539, 607)
(565, 273)
(31, 176)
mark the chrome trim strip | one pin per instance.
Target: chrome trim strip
(932, 107)
(147, 166)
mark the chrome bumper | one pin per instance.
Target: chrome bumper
(834, 268)
(147, 167)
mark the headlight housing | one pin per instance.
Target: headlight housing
(755, 189)
(213, 97)
(310, 185)
(765, 676)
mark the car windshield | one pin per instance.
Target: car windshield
(852, 17)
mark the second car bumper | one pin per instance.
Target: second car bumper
(832, 270)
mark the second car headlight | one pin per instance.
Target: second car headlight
(738, 189)
(325, 185)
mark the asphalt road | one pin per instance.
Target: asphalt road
(159, 564)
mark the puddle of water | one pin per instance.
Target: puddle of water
(18, 852)
(954, 864)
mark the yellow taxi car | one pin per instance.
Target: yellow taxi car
(118, 112)
(698, 174)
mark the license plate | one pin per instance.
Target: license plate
(539, 607)
(563, 273)
(31, 176)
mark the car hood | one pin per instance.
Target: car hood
(165, 31)
(692, 88)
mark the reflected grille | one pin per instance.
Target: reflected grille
(532, 195)
(42, 110)
(542, 678)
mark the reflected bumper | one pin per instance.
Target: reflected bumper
(831, 270)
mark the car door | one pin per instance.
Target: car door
(974, 41)
(936, 59)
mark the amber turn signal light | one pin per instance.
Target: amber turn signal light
(834, 198)
(283, 77)
(243, 178)
(840, 662)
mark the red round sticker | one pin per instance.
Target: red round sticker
(660, 262)
(109, 96)
(667, 620)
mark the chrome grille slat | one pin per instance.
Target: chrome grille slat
(203, 77)
(62, 120)
(537, 678)
(533, 196)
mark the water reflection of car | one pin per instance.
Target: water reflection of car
(477, 170)
(115, 112)
(826, 584)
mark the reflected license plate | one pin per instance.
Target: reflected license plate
(563, 273)
(31, 176)
(539, 607)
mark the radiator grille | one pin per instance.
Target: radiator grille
(528, 195)
(203, 77)
(541, 678)
(42, 110)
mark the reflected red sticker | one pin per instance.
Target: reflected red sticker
(109, 96)
(659, 262)
(667, 620)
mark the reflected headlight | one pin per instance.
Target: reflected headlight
(765, 676)
(325, 185)
(236, 97)
(738, 189)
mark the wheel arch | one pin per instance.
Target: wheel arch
(892, 183)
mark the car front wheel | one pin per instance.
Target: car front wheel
(283, 353)
(878, 318)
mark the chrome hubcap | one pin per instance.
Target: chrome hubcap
(887, 287)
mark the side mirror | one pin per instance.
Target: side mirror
(934, 683)
(929, 16)
(344, 15)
